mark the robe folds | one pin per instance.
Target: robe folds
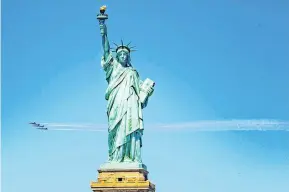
(124, 111)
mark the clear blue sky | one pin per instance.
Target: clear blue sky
(226, 59)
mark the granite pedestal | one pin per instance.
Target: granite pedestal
(122, 177)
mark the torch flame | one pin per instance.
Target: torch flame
(103, 8)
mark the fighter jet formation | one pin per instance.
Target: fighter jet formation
(38, 126)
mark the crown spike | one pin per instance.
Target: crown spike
(123, 46)
(128, 44)
(115, 44)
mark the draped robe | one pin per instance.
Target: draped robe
(124, 111)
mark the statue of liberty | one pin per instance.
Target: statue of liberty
(127, 95)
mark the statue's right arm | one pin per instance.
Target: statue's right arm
(105, 42)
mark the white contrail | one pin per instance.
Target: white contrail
(98, 130)
(204, 125)
(98, 126)
(231, 125)
(74, 127)
(65, 125)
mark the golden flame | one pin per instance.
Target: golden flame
(103, 8)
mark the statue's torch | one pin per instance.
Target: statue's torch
(102, 16)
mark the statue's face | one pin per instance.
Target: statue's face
(123, 58)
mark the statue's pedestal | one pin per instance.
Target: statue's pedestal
(121, 178)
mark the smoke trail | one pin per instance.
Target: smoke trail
(99, 126)
(204, 125)
(75, 127)
(97, 130)
(231, 125)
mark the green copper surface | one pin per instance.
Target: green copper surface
(124, 107)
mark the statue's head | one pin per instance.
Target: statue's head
(123, 54)
(123, 57)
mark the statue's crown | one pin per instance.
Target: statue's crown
(123, 47)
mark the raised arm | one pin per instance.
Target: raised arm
(105, 42)
(103, 31)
